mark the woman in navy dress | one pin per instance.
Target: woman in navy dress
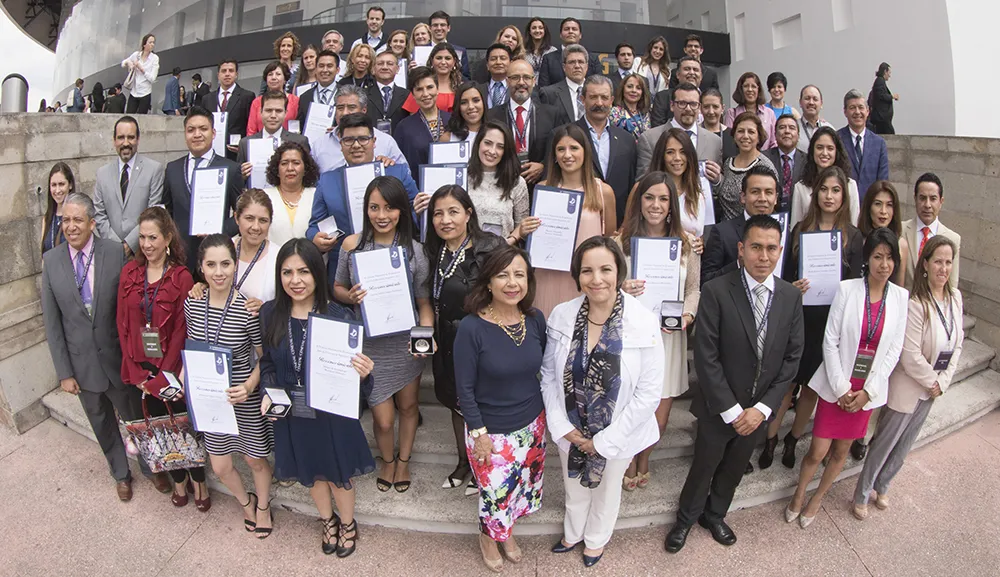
(320, 450)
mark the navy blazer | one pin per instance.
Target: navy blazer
(551, 69)
(331, 199)
(414, 140)
(172, 96)
(874, 164)
(721, 254)
(621, 164)
(376, 106)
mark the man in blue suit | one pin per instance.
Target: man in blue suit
(78, 104)
(172, 94)
(357, 140)
(867, 150)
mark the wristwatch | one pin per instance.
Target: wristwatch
(476, 433)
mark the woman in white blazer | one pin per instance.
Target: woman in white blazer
(863, 340)
(931, 351)
(292, 174)
(612, 416)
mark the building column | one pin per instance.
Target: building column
(215, 17)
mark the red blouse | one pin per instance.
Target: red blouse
(168, 318)
(445, 101)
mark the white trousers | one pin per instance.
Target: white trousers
(591, 513)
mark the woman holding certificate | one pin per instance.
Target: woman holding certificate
(498, 354)
(602, 379)
(292, 174)
(320, 450)
(748, 132)
(571, 167)
(829, 212)
(652, 214)
(863, 340)
(933, 345)
(397, 372)
(419, 36)
(276, 76)
(465, 124)
(457, 248)
(825, 150)
(221, 319)
(496, 186)
(151, 328)
(880, 209)
(676, 156)
(416, 132)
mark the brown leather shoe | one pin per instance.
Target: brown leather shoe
(162, 483)
(124, 489)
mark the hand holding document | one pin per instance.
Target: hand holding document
(433, 177)
(206, 378)
(551, 246)
(820, 263)
(384, 274)
(320, 118)
(356, 181)
(658, 262)
(332, 383)
(208, 201)
(259, 152)
(421, 54)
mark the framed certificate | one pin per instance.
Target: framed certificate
(356, 181)
(207, 375)
(449, 152)
(658, 262)
(332, 384)
(208, 201)
(551, 246)
(820, 262)
(385, 273)
(320, 118)
(433, 177)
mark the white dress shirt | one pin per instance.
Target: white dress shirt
(573, 87)
(933, 226)
(206, 160)
(693, 130)
(329, 156)
(728, 416)
(854, 139)
(527, 120)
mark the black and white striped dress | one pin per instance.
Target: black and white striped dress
(240, 333)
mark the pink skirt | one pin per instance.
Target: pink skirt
(832, 422)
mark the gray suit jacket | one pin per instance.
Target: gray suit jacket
(83, 347)
(241, 155)
(118, 220)
(709, 146)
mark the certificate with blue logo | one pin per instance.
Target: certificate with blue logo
(384, 273)
(551, 246)
(332, 384)
(208, 201)
(207, 375)
(449, 153)
(658, 262)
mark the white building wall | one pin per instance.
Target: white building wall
(707, 15)
(973, 41)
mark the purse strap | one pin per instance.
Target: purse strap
(145, 410)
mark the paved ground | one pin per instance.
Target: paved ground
(59, 516)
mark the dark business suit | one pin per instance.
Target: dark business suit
(874, 164)
(721, 252)
(376, 106)
(725, 356)
(616, 79)
(414, 140)
(309, 96)
(172, 96)
(551, 70)
(621, 164)
(660, 112)
(198, 96)
(880, 102)
(798, 165)
(86, 347)
(238, 107)
(286, 136)
(542, 121)
(709, 79)
(729, 148)
(561, 96)
(115, 104)
(177, 201)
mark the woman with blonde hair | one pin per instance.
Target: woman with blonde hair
(286, 49)
(360, 63)
(419, 36)
(510, 37)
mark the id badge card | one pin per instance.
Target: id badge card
(384, 125)
(863, 364)
(522, 157)
(943, 360)
(151, 343)
(299, 407)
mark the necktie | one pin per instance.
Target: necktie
(786, 175)
(857, 148)
(225, 101)
(522, 144)
(498, 94)
(197, 161)
(386, 98)
(81, 279)
(324, 96)
(579, 103)
(759, 292)
(927, 234)
(690, 133)
(124, 181)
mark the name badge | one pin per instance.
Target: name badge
(943, 360)
(863, 364)
(384, 125)
(522, 157)
(151, 343)
(299, 407)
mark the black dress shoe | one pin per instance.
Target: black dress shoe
(676, 537)
(560, 548)
(767, 455)
(720, 531)
(749, 469)
(859, 450)
(788, 453)
(589, 561)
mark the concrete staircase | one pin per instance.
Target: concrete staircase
(427, 507)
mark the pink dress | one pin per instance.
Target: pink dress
(831, 421)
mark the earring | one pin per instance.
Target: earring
(925, 274)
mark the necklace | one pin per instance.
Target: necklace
(597, 324)
(443, 274)
(288, 203)
(517, 334)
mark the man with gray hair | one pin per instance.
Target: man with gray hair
(79, 303)
(550, 71)
(867, 150)
(614, 147)
(327, 152)
(568, 92)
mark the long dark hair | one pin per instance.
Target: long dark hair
(212, 241)
(529, 41)
(432, 247)
(395, 196)
(276, 329)
(508, 171)
(455, 78)
(878, 237)
(865, 219)
(50, 206)
(479, 296)
(811, 171)
(634, 224)
(591, 190)
(690, 180)
(842, 218)
(456, 124)
(664, 60)
(176, 251)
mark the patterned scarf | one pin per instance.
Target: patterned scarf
(590, 383)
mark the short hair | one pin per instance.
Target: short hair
(254, 196)
(310, 170)
(931, 178)
(194, 76)
(853, 94)
(806, 87)
(624, 45)
(479, 296)
(352, 90)
(759, 169)
(574, 49)
(79, 82)
(323, 53)
(274, 95)
(176, 71)
(229, 61)
(761, 221)
(198, 111)
(592, 243)
(439, 15)
(879, 237)
(693, 38)
(774, 78)
(499, 46)
(786, 116)
(713, 92)
(369, 13)
(598, 80)
(738, 91)
(687, 58)
(568, 20)
(127, 120)
(750, 115)
(355, 120)
(329, 32)
(81, 199)
(417, 74)
(683, 86)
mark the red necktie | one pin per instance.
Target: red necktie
(786, 187)
(521, 136)
(225, 100)
(927, 234)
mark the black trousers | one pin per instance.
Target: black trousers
(139, 105)
(158, 408)
(100, 409)
(883, 127)
(720, 459)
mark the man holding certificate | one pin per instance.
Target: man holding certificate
(189, 193)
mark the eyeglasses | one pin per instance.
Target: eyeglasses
(352, 140)
(690, 105)
(519, 78)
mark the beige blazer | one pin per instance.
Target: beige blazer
(910, 233)
(914, 376)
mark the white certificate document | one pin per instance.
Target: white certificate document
(219, 123)
(551, 246)
(302, 89)
(332, 384)
(208, 201)
(421, 54)
(385, 273)
(400, 79)
(820, 262)
(449, 152)
(206, 378)
(259, 152)
(433, 177)
(320, 118)
(356, 181)
(658, 262)
(293, 126)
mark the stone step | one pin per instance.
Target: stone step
(427, 507)
(968, 323)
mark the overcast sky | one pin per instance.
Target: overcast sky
(22, 55)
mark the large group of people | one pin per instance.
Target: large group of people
(524, 355)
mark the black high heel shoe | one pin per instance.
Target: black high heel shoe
(400, 486)
(250, 525)
(342, 537)
(384, 485)
(331, 527)
(560, 548)
(788, 456)
(767, 455)
(458, 476)
(264, 532)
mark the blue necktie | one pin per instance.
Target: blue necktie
(386, 98)
(498, 94)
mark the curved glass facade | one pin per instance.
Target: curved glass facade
(98, 34)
